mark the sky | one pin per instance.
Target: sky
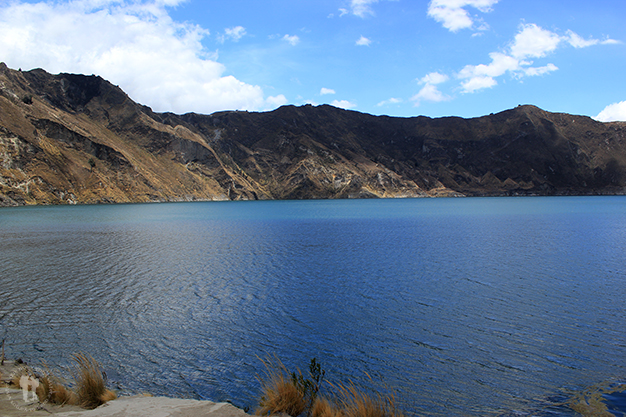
(405, 58)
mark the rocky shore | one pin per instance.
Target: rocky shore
(12, 404)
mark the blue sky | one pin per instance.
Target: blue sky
(396, 57)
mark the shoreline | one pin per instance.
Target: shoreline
(13, 405)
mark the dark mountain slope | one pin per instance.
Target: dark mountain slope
(78, 139)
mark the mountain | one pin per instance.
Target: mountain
(79, 139)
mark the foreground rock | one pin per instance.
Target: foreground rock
(141, 406)
(137, 406)
(79, 139)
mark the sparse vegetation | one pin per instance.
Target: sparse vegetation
(280, 394)
(89, 387)
(90, 382)
(323, 408)
(292, 393)
(50, 388)
(354, 403)
(309, 387)
(27, 99)
(299, 395)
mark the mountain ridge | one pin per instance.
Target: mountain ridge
(72, 138)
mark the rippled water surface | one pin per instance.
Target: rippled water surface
(478, 306)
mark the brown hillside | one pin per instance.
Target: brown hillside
(78, 139)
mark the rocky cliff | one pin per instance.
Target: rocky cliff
(79, 139)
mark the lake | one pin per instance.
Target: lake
(471, 306)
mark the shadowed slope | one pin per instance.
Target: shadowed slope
(78, 139)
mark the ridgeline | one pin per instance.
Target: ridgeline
(67, 139)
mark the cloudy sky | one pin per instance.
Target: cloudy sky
(397, 57)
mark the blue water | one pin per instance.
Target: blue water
(476, 306)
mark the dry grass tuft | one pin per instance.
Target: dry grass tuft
(355, 403)
(90, 382)
(51, 389)
(294, 394)
(323, 408)
(63, 396)
(280, 395)
(108, 396)
(43, 390)
(55, 392)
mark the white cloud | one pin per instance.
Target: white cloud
(292, 39)
(609, 41)
(433, 78)
(531, 41)
(135, 44)
(392, 100)
(533, 71)
(500, 64)
(276, 101)
(344, 104)
(363, 41)
(453, 15)
(360, 8)
(233, 34)
(430, 92)
(578, 41)
(478, 83)
(534, 42)
(613, 112)
(325, 91)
